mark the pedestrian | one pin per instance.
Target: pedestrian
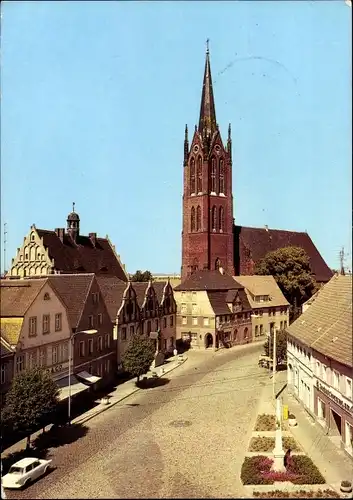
(286, 459)
(175, 352)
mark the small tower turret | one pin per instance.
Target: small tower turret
(186, 146)
(73, 224)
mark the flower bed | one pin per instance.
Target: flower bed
(301, 470)
(296, 494)
(265, 422)
(266, 444)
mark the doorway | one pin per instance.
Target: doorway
(208, 340)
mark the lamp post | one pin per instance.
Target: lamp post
(71, 343)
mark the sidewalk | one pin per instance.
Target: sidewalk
(332, 462)
(121, 392)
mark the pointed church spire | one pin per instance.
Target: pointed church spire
(207, 122)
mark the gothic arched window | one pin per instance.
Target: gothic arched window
(192, 177)
(221, 176)
(192, 219)
(198, 219)
(213, 175)
(199, 175)
(214, 218)
(221, 219)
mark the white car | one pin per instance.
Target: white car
(24, 471)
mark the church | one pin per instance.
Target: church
(210, 238)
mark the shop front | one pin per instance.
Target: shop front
(335, 412)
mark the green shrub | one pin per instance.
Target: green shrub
(296, 494)
(306, 470)
(265, 422)
(266, 444)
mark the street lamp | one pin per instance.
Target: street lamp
(71, 343)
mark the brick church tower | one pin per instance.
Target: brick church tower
(207, 236)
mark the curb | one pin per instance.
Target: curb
(79, 420)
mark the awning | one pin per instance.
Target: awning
(76, 387)
(87, 378)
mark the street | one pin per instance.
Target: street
(184, 438)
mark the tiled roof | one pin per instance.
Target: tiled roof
(244, 300)
(17, 295)
(259, 241)
(5, 348)
(326, 325)
(83, 256)
(10, 329)
(159, 287)
(208, 280)
(73, 290)
(262, 285)
(312, 298)
(112, 290)
(140, 288)
(218, 303)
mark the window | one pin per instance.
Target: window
(157, 324)
(54, 354)
(194, 308)
(42, 356)
(90, 321)
(246, 333)
(214, 219)
(165, 344)
(336, 379)
(206, 321)
(221, 219)
(221, 176)
(349, 388)
(199, 175)
(65, 351)
(261, 312)
(184, 320)
(183, 308)
(256, 330)
(95, 298)
(46, 323)
(171, 321)
(281, 325)
(46, 296)
(82, 348)
(149, 327)
(58, 320)
(123, 333)
(261, 329)
(194, 321)
(132, 330)
(100, 341)
(99, 370)
(192, 176)
(32, 359)
(32, 327)
(164, 322)
(213, 175)
(100, 319)
(90, 346)
(284, 324)
(3, 373)
(198, 219)
(107, 341)
(108, 365)
(19, 364)
(193, 221)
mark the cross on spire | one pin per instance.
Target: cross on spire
(207, 46)
(73, 206)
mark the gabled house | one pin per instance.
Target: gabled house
(167, 314)
(61, 251)
(7, 366)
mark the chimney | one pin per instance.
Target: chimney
(221, 270)
(93, 238)
(60, 232)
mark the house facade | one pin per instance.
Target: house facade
(270, 309)
(6, 368)
(61, 251)
(320, 368)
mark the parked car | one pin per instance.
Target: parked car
(24, 471)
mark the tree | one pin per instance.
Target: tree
(139, 355)
(31, 401)
(281, 346)
(141, 276)
(290, 267)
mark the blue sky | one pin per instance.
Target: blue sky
(95, 97)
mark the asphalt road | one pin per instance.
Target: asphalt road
(185, 438)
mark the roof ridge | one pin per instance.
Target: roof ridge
(271, 229)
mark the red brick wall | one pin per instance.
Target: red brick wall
(205, 245)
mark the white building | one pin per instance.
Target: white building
(320, 360)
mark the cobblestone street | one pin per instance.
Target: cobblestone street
(184, 439)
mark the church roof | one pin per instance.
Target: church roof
(83, 256)
(326, 325)
(254, 243)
